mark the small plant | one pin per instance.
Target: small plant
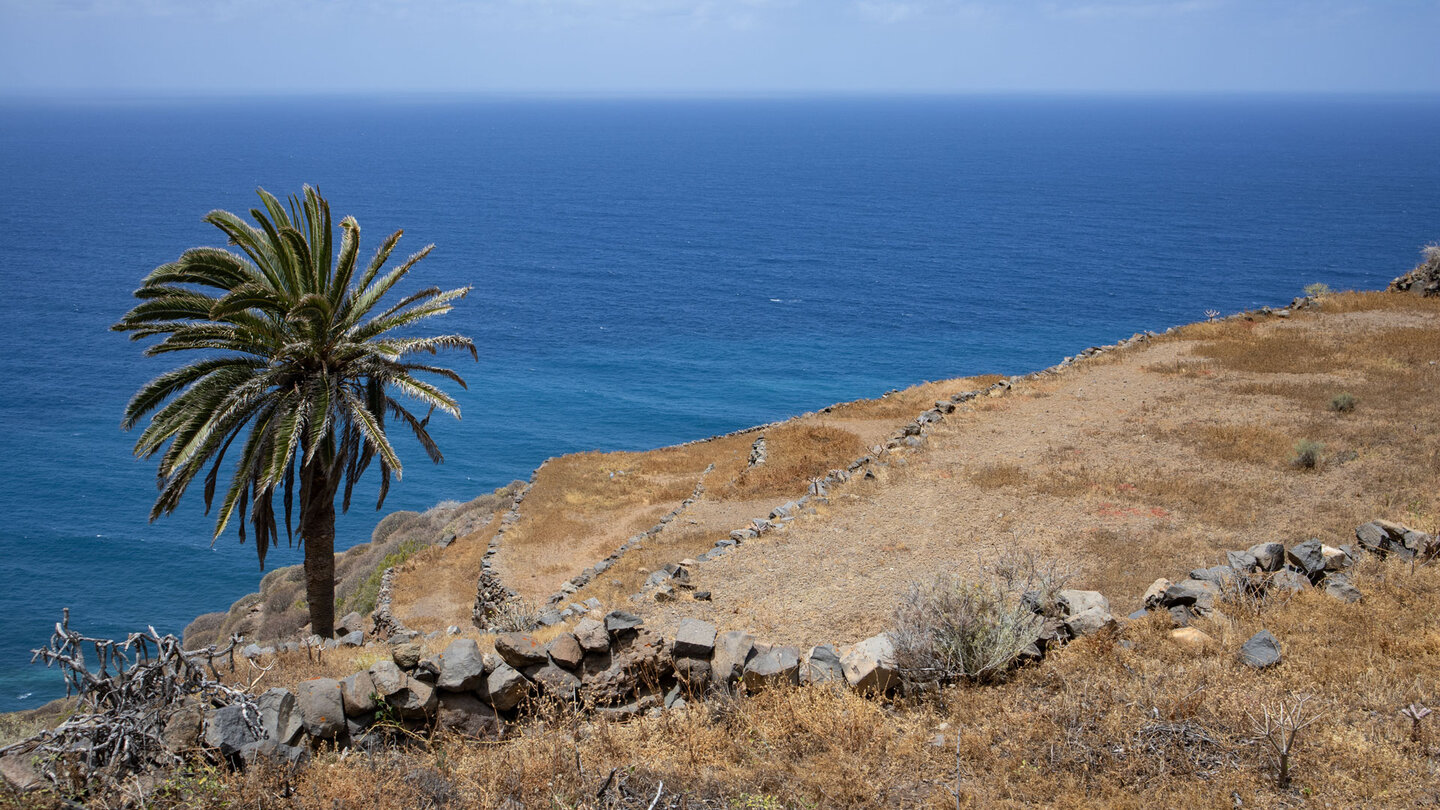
(1307, 454)
(1212, 314)
(1416, 714)
(1342, 402)
(1279, 727)
(515, 616)
(1317, 290)
(953, 629)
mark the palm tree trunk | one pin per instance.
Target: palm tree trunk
(317, 531)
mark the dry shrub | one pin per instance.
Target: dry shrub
(1281, 350)
(956, 628)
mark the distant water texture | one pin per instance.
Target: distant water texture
(647, 272)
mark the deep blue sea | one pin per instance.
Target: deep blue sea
(647, 272)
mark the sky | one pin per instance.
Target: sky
(247, 47)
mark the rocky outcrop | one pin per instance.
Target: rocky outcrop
(1424, 280)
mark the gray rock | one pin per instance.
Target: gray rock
(1335, 559)
(1090, 621)
(275, 751)
(701, 596)
(1196, 593)
(1269, 557)
(732, 650)
(549, 618)
(462, 666)
(695, 639)
(592, 636)
(556, 681)
(1290, 580)
(279, 716)
(1155, 594)
(1221, 575)
(387, 678)
(592, 603)
(520, 650)
(357, 694)
(1384, 537)
(464, 714)
(351, 623)
(870, 665)
(1073, 602)
(781, 665)
(619, 621)
(1261, 651)
(822, 665)
(352, 639)
(418, 699)
(253, 651)
(1340, 588)
(184, 724)
(407, 655)
(693, 674)
(1139, 615)
(322, 710)
(506, 687)
(1309, 557)
(566, 651)
(227, 729)
(1242, 561)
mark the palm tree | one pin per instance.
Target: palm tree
(291, 355)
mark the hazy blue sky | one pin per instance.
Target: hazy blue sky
(717, 46)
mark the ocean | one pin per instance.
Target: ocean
(645, 272)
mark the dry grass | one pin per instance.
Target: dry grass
(997, 476)
(1099, 724)
(797, 452)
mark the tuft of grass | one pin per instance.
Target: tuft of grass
(1307, 454)
(997, 476)
(1342, 402)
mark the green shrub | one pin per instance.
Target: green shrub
(363, 600)
(1317, 289)
(1307, 454)
(1342, 402)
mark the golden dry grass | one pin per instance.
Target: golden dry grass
(1100, 724)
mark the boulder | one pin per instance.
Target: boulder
(351, 623)
(822, 665)
(565, 650)
(1289, 580)
(464, 714)
(592, 636)
(418, 699)
(355, 638)
(228, 730)
(506, 687)
(407, 655)
(1309, 557)
(638, 661)
(1191, 639)
(20, 771)
(781, 665)
(462, 666)
(387, 678)
(1088, 622)
(619, 621)
(279, 718)
(1335, 559)
(695, 639)
(1074, 602)
(1155, 594)
(184, 724)
(520, 650)
(1242, 562)
(1260, 651)
(869, 666)
(322, 711)
(555, 681)
(693, 674)
(1269, 557)
(1220, 575)
(1384, 537)
(357, 693)
(275, 751)
(1340, 588)
(1193, 593)
(732, 650)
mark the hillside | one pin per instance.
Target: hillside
(1141, 461)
